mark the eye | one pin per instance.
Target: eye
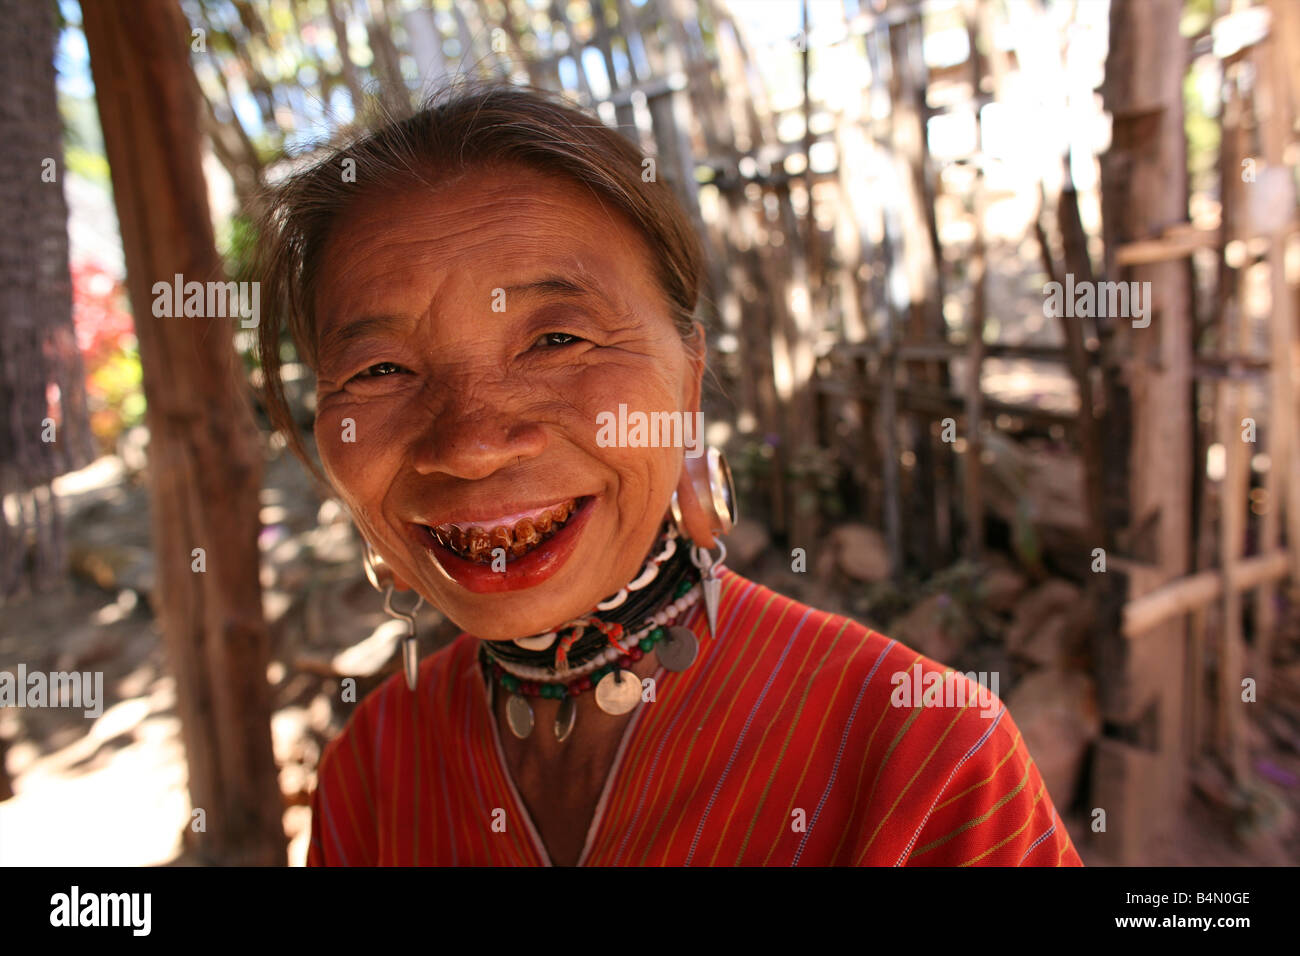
(380, 369)
(555, 340)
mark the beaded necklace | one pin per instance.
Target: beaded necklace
(596, 650)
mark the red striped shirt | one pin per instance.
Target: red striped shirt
(779, 746)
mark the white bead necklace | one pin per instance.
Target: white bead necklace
(662, 618)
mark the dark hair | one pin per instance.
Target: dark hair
(462, 128)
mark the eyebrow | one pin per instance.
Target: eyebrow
(550, 287)
(341, 335)
(557, 287)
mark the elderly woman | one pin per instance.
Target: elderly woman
(479, 290)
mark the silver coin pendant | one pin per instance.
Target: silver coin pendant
(618, 692)
(565, 717)
(679, 648)
(519, 715)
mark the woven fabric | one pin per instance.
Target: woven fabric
(782, 745)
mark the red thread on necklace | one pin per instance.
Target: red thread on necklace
(562, 652)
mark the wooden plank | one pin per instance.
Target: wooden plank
(936, 400)
(947, 351)
(1175, 243)
(1186, 595)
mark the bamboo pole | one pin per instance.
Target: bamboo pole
(1187, 595)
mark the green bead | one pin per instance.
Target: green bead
(646, 643)
(510, 682)
(684, 587)
(657, 635)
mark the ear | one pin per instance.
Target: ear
(694, 518)
(688, 502)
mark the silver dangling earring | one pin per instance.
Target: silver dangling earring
(715, 493)
(710, 583)
(381, 579)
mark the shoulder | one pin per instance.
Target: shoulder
(367, 754)
(895, 707)
(756, 620)
(442, 675)
(929, 766)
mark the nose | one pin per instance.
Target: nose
(471, 438)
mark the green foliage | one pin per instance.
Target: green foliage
(751, 466)
(238, 243)
(115, 389)
(818, 470)
(83, 142)
(87, 164)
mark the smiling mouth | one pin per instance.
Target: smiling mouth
(518, 535)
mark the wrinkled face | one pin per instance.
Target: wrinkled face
(468, 338)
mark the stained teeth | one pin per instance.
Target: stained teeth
(477, 543)
(526, 534)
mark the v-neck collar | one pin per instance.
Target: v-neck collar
(692, 617)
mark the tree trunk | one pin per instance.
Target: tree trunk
(205, 463)
(44, 429)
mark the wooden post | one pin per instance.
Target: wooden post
(1074, 244)
(887, 421)
(204, 459)
(1282, 483)
(1232, 527)
(1149, 368)
(975, 345)
(1196, 644)
(918, 259)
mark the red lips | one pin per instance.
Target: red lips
(531, 569)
